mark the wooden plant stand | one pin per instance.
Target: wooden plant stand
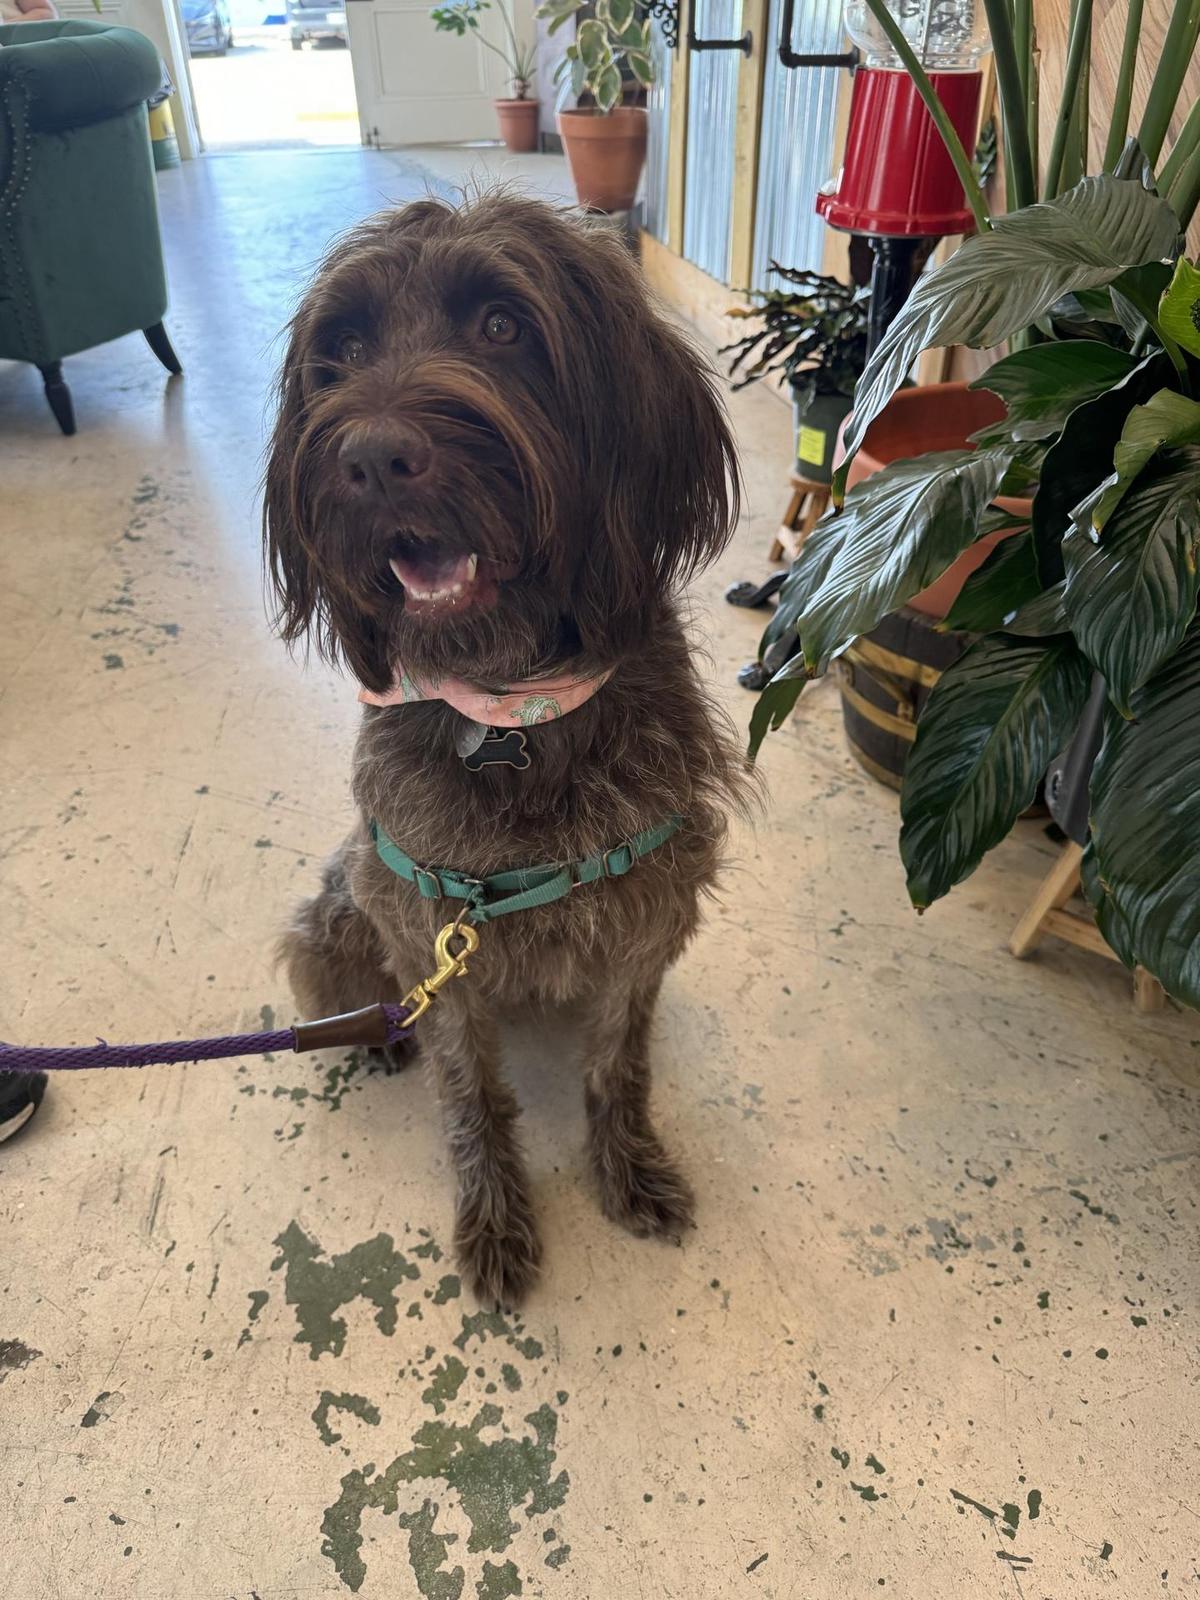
(805, 509)
(1049, 913)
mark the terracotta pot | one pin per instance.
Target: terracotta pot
(606, 154)
(937, 417)
(518, 124)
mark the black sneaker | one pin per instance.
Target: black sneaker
(20, 1096)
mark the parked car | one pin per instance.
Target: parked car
(312, 19)
(207, 25)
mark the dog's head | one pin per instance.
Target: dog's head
(491, 453)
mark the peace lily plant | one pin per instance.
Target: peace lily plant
(1090, 286)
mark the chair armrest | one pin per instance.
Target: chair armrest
(72, 73)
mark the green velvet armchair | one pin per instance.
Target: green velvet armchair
(80, 253)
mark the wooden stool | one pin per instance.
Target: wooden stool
(1049, 913)
(805, 509)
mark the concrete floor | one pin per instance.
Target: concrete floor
(936, 1334)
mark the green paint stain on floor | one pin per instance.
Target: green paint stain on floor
(369, 1271)
(558, 1557)
(512, 1378)
(1105, 1551)
(445, 1382)
(875, 1465)
(427, 1555)
(1012, 1515)
(497, 1583)
(449, 1288)
(1034, 1501)
(96, 1411)
(866, 1491)
(484, 1325)
(356, 1404)
(842, 1457)
(1044, 1300)
(490, 1478)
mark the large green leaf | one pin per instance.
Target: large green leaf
(902, 529)
(606, 85)
(988, 731)
(1043, 385)
(1041, 617)
(1005, 581)
(1145, 820)
(1108, 919)
(809, 571)
(592, 40)
(1179, 308)
(1167, 418)
(1081, 459)
(772, 709)
(1131, 596)
(998, 282)
(618, 13)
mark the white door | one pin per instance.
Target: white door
(418, 86)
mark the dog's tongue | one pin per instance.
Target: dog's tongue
(429, 573)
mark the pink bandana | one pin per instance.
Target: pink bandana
(535, 700)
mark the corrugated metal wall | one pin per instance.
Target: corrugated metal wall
(796, 149)
(658, 104)
(712, 104)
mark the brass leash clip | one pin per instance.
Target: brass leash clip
(449, 965)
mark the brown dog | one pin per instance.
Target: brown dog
(493, 461)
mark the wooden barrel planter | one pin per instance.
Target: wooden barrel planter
(885, 678)
(887, 675)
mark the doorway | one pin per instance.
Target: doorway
(271, 73)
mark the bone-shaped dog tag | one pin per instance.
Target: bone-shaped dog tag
(501, 748)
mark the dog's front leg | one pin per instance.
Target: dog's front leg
(640, 1186)
(495, 1233)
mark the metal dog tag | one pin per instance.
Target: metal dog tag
(470, 736)
(502, 747)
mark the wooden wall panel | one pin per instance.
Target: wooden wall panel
(1108, 31)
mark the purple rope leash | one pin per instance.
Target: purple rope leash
(373, 1027)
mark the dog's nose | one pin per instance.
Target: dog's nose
(377, 459)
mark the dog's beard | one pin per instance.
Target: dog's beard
(461, 580)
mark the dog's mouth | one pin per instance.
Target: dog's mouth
(438, 580)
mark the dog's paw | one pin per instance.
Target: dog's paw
(647, 1194)
(498, 1248)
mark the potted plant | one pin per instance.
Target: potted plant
(1102, 428)
(815, 334)
(605, 142)
(518, 116)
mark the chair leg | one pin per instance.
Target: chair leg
(156, 338)
(59, 396)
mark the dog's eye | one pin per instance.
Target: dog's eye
(501, 327)
(351, 350)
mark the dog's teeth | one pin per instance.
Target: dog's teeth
(472, 563)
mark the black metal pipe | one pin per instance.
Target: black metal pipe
(745, 44)
(791, 58)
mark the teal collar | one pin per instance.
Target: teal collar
(523, 887)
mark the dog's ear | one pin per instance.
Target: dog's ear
(289, 568)
(656, 449)
(687, 461)
(308, 608)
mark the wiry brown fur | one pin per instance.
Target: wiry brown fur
(592, 461)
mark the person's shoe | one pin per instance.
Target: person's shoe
(20, 1096)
